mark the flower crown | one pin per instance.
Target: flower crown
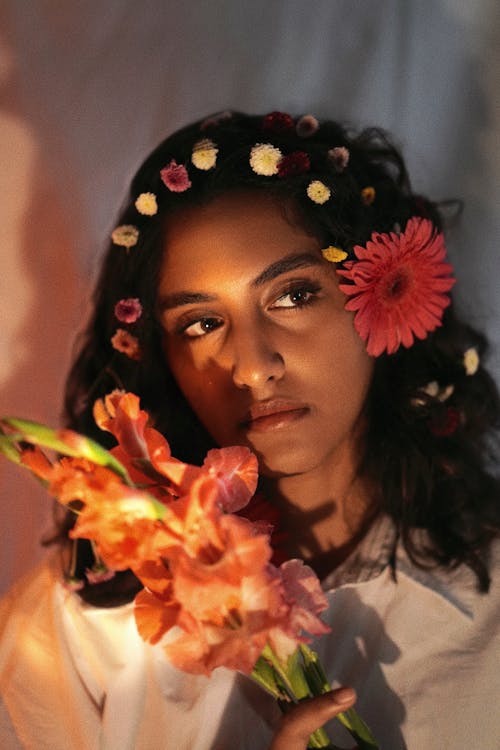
(397, 284)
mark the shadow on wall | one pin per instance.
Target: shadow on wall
(40, 310)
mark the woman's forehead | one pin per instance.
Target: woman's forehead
(232, 232)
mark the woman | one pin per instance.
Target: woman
(274, 282)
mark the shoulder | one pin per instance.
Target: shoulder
(458, 588)
(28, 631)
(26, 600)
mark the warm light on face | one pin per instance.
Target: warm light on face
(256, 333)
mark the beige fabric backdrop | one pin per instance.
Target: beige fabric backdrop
(86, 89)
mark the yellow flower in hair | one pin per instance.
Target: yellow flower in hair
(471, 361)
(264, 159)
(125, 235)
(146, 204)
(334, 254)
(318, 192)
(368, 195)
(204, 154)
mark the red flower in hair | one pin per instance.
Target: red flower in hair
(445, 424)
(295, 163)
(398, 286)
(277, 123)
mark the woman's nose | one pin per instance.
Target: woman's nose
(257, 363)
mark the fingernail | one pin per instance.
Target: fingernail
(344, 695)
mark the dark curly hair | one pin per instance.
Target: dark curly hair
(425, 478)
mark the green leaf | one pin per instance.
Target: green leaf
(66, 442)
(9, 449)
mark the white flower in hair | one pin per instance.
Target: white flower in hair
(146, 204)
(318, 192)
(204, 154)
(125, 235)
(434, 390)
(264, 159)
(471, 361)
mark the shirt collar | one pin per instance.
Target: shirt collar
(380, 548)
(370, 558)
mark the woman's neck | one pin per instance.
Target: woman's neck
(325, 513)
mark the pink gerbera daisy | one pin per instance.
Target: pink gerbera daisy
(398, 286)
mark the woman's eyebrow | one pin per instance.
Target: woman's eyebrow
(178, 299)
(289, 263)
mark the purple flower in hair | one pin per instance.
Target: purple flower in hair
(339, 157)
(128, 310)
(306, 126)
(175, 177)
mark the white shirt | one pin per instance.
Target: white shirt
(422, 651)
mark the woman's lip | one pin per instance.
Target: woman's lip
(273, 415)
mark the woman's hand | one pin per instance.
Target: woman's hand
(309, 715)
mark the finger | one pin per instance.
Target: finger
(302, 720)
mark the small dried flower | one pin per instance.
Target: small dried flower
(339, 157)
(128, 310)
(306, 126)
(277, 123)
(214, 120)
(434, 390)
(125, 235)
(146, 204)
(318, 192)
(446, 392)
(445, 423)
(471, 361)
(204, 154)
(264, 159)
(125, 343)
(295, 163)
(334, 254)
(368, 195)
(175, 177)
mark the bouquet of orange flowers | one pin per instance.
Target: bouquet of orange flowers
(204, 568)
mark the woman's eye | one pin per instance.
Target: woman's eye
(298, 297)
(201, 327)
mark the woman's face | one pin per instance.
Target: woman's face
(256, 334)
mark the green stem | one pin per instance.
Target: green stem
(263, 673)
(292, 676)
(350, 719)
(357, 728)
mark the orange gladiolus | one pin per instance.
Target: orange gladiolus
(36, 460)
(80, 479)
(146, 455)
(124, 526)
